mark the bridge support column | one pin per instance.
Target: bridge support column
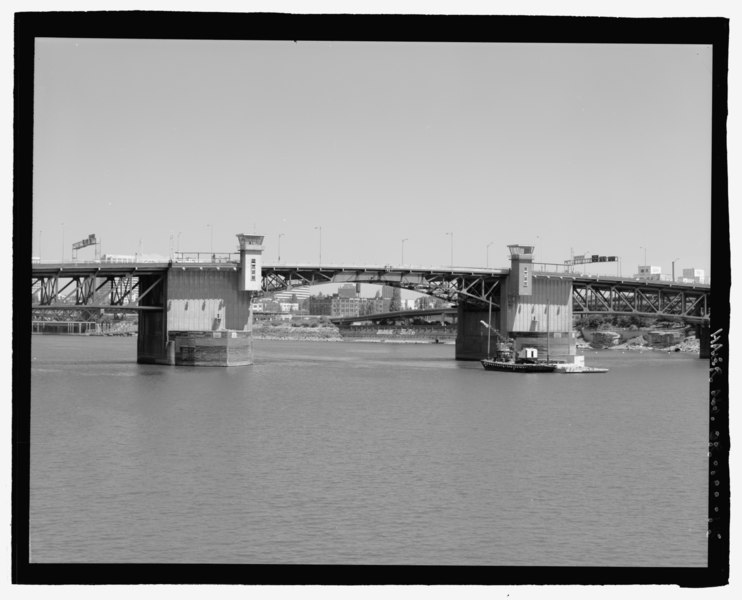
(152, 334)
(471, 336)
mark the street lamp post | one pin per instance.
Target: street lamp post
(451, 234)
(488, 254)
(538, 244)
(403, 241)
(280, 235)
(320, 243)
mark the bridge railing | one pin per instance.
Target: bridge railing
(206, 257)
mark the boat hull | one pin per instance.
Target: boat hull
(513, 367)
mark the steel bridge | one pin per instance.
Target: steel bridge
(92, 287)
(456, 285)
(690, 303)
(123, 287)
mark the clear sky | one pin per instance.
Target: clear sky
(600, 149)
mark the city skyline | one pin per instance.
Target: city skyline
(375, 153)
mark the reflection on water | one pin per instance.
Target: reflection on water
(365, 453)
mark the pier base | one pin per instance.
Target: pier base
(225, 348)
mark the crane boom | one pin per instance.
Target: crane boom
(499, 336)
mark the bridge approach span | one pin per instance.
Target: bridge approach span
(652, 299)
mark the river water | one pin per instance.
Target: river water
(353, 453)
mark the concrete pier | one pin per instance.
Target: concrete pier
(207, 320)
(211, 348)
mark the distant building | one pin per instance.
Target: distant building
(374, 306)
(694, 275)
(649, 273)
(320, 305)
(345, 307)
(428, 302)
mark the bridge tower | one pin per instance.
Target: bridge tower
(538, 310)
(534, 311)
(251, 251)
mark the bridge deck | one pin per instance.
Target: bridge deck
(619, 295)
(80, 268)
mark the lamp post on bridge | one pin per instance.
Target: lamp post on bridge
(403, 241)
(280, 235)
(320, 244)
(451, 234)
(488, 254)
(536, 247)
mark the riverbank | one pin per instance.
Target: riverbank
(638, 340)
(330, 333)
(321, 333)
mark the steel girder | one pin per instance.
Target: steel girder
(48, 295)
(469, 288)
(640, 300)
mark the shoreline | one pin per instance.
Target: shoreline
(689, 344)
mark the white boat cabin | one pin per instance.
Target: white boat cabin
(528, 354)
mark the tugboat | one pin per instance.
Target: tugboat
(526, 361)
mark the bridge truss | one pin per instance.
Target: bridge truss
(470, 287)
(122, 287)
(644, 299)
(86, 290)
